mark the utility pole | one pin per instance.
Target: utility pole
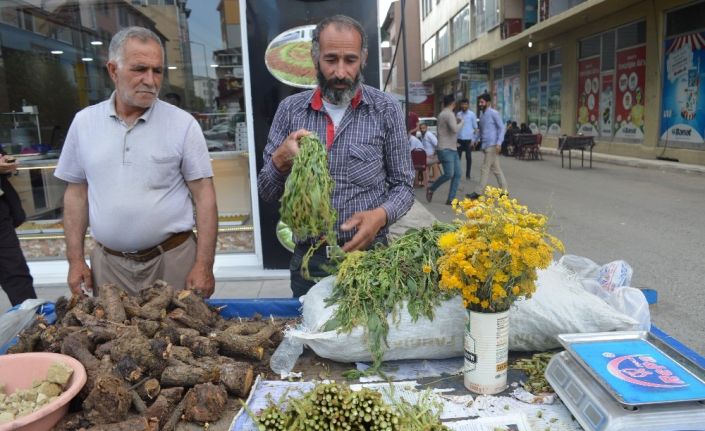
(406, 74)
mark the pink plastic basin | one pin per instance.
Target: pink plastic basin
(19, 370)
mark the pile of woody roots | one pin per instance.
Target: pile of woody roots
(152, 360)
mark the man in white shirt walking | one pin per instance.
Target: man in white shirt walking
(467, 136)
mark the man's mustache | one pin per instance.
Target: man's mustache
(340, 81)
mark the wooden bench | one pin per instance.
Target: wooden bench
(582, 143)
(527, 146)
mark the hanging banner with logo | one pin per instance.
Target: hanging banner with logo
(554, 101)
(682, 104)
(629, 95)
(588, 96)
(606, 105)
(532, 101)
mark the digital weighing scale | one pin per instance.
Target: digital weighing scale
(628, 381)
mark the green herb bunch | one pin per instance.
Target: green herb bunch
(333, 406)
(372, 285)
(306, 203)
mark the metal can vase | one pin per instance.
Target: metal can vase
(486, 352)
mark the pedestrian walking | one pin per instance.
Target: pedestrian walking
(467, 136)
(448, 127)
(491, 136)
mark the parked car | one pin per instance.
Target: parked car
(221, 131)
(431, 123)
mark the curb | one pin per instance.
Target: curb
(636, 162)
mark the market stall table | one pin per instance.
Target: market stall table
(313, 367)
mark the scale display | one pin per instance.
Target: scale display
(636, 372)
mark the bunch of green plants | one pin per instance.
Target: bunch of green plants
(372, 285)
(333, 406)
(306, 203)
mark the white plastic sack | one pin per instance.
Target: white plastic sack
(632, 302)
(581, 266)
(559, 306)
(424, 339)
(615, 275)
(14, 321)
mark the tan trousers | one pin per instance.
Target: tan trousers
(491, 163)
(132, 276)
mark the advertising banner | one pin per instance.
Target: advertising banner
(606, 105)
(278, 44)
(588, 96)
(532, 101)
(554, 101)
(629, 94)
(682, 115)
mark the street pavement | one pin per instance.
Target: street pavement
(646, 212)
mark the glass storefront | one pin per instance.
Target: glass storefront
(612, 84)
(52, 64)
(543, 93)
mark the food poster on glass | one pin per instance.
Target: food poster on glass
(682, 115)
(607, 105)
(278, 65)
(532, 101)
(588, 96)
(629, 94)
(554, 101)
(543, 110)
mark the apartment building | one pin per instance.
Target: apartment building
(626, 72)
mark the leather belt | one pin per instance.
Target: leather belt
(150, 253)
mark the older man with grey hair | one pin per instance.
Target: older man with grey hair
(136, 166)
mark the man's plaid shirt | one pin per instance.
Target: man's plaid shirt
(369, 157)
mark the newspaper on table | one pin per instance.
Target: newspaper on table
(458, 412)
(515, 422)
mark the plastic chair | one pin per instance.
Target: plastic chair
(418, 158)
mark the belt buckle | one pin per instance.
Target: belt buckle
(129, 254)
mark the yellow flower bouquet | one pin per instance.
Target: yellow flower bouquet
(493, 255)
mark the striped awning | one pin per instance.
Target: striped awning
(695, 40)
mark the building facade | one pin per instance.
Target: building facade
(627, 73)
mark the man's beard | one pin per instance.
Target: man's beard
(338, 96)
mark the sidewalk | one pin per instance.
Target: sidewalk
(634, 162)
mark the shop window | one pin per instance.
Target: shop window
(506, 91)
(631, 35)
(682, 103)
(612, 84)
(589, 47)
(46, 81)
(429, 51)
(426, 7)
(543, 93)
(685, 20)
(607, 56)
(443, 42)
(460, 25)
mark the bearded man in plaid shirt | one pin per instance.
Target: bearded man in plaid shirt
(368, 149)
